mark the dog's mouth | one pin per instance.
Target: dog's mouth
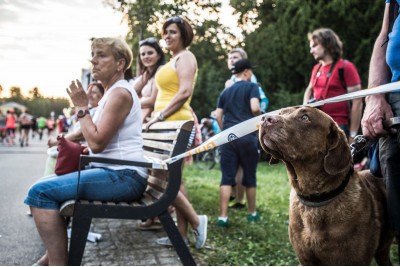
(270, 146)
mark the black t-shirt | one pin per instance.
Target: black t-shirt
(235, 101)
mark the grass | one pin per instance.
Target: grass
(263, 243)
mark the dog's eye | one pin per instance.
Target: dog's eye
(305, 118)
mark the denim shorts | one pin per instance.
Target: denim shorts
(100, 184)
(244, 152)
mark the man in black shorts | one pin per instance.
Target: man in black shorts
(236, 104)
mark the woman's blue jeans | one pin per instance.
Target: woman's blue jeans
(101, 184)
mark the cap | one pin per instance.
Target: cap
(241, 65)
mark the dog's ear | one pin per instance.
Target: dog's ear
(338, 156)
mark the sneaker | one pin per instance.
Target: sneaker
(223, 224)
(236, 205)
(164, 241)
(253, 218)
(201, 232)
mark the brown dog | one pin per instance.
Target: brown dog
(337, 216)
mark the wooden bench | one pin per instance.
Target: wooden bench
(163, 140)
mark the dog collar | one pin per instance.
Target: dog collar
(319, 200)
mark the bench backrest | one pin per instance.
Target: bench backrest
(162, 141)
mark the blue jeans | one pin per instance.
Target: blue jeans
(95, 184)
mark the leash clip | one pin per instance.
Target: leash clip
(360, 142)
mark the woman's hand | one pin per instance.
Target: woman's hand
(150, 122)
(52, 142)
(77, 94)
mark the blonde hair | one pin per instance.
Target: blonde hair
(239, 50)
(119, 48)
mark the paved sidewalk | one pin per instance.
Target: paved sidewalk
(121, 243)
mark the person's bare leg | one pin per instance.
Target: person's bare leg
(52, 229)
(224, 194)
(180, 218)
(185, 209)
(251, 199)
(240, 189)
(26, 136)
(44, 260)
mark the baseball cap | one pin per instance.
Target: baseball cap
(241, 65)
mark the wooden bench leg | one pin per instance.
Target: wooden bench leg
(176, 239)
(79, 233)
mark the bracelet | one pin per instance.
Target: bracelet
(161, 116)
(353, 134)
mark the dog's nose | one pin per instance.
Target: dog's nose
(268, 120)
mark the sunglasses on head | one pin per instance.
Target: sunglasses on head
(150, 40)
(175, 19)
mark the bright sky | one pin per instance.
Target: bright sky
(45, 43)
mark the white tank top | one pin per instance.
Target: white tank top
(127, 143)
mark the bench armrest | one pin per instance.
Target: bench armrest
(85, 159)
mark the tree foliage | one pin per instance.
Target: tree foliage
(36, 103)
(275, 38)
(211, 40)
(281, 47)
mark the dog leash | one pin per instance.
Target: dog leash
(252, 125)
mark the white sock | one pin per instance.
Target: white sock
(224, 219)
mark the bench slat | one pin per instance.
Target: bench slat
(146, 199)
(158, 145)
(154, 193)
(156, 155)
(162, 183)
(171, 136)
(167, 125)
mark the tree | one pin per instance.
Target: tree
(281, 47)
(145, 19)
(34, 93)
(16, 94)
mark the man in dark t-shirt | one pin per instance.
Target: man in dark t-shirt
(236, 104)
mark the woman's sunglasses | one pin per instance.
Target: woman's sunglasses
(150, 40)
(175, 19)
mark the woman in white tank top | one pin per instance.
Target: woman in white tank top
(114, 131)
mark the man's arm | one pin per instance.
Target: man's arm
(219, 112)
(255, 106)
(377, 109)
(308, 94)
(355, 113)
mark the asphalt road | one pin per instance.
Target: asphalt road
(20, 243)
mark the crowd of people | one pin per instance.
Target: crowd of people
(18, 129)
(114, 109)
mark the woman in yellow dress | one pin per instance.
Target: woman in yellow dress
(175, 82)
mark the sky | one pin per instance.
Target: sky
(46, 43)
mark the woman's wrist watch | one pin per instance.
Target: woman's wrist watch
(160, 116)
(82, 113)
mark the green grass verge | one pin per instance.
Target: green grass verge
(263, 243)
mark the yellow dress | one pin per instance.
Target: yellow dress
(167, 82)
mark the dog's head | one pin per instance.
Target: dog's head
(305, 135)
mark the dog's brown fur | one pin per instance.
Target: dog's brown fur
(351, 228)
